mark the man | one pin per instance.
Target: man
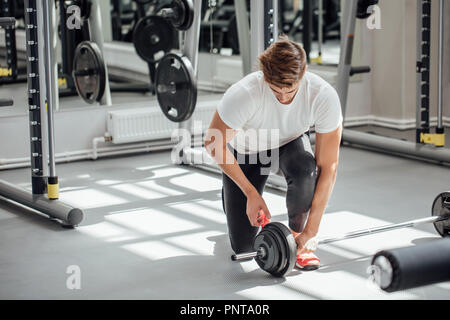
(284, 100)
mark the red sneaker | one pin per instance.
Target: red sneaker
(307, 262)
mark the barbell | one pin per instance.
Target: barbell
(275, 249)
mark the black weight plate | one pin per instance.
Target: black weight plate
(281, 246)
(153, 37)
(281, 249)
(176, 87)
(267, 241)
(289, 246)
(89, 73)
(441, 206)
(187, 17)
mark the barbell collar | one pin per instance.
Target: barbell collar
(169, 13)
(249, 255)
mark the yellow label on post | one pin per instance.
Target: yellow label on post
(4, 72)
(53, 191)
(436, 139)
(62, 82)
(317, 60)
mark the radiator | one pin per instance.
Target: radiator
(147, 124)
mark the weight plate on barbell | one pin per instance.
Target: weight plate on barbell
(89, 73)
(176, 87)
(267, 241)
(441, 206)
(282, 249)
(289, 248)
(153, 37)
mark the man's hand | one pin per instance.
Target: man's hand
(305, 243)
(256, 203)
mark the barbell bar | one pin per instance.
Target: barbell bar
(360, 233)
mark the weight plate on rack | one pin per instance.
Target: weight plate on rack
(441, 206)
(185, 14)
(176, 87)
(153, 37)
(89, 72)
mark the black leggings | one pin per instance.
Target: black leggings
(297, 164)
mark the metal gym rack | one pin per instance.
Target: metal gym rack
(41, 73)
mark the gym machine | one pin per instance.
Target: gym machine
(11, 73)
(83, 66)
(83, 69)
(423, 134)
(389, 145)
(42, 97)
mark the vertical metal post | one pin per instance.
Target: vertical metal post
(95, 23)
(345, 59)
(256, 29)
(320, 29)
(50, 78)
(38, 182)
(51, 84)
(68, 45)
(307, 27)
(264, 25)
(418, 67)
(274, 24)
(190, 50)
(41, 36)
(423, 68)
(243, 30)
(440, 126)
(270, 22)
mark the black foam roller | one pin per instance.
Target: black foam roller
(417, 266)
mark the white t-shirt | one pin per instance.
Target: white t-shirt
(250, 107)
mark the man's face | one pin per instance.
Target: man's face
(284, 95)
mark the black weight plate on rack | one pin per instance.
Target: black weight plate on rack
(289, 247)
(186, 8)
(89, 73)
(153, 37)
(441, 206)
(176, 87)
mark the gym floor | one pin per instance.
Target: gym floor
(150, 232)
